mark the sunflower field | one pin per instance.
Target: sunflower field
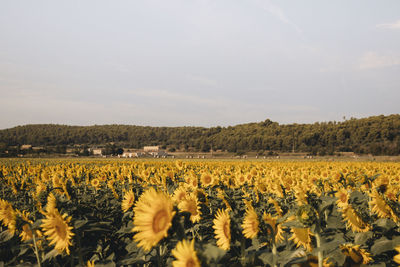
(71, 212)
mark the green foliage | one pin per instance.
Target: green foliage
(376, 135)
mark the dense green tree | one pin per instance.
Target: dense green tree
(376, 135)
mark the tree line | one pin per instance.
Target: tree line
(377, 135)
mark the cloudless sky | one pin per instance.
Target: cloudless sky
(197, 62)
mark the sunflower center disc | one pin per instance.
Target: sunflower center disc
(192, 208)
(343, 198)
(60, 230)
(227, 231)
(190, 263)
(160, 221)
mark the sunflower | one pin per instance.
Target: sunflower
(240, 178)
(300, 195)
(26, 233)
(57, 182)
(221, 195)
(128, 201)
(278, 230)
(247, 203)
(250, 223)
(261, 186)
(40, 187)
(51, 203)
(379, 206)
(180, 194)
(7, 215)
(276, 206)
(307, 215)
(343, 198)
(391, 193)
(207, 179)
(396, 258)
(23, 226)
(356, 254)
(191, 205)
(95, 183)
(179, 165)
(194, 183)
(185, 255)
(56, 227)
(302, 237)
(222, 227)
(354, 221)
(153, 216)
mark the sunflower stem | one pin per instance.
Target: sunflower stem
(274, 254)
(320, 255)
(159, 263)
(81, 262)
(242, 249)
(36, 249)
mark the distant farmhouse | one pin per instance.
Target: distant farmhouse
(155, 151)
(130, 153)
(147, 151)
(96, 151)
(26, 147)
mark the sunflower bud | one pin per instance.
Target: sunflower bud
(306, 215)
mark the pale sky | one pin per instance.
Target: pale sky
(197, 62)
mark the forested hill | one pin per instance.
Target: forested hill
(376, 135)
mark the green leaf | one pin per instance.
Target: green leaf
(266, 257)
(285, 217)
(361, 238)
(335, 222)
(79, 223)
(36, 225)
(111, 256)
(128, 214)
(255, 244)
(326, 202)
(5, 236)
(95, 257)
(337, 256)
(51, 255)
(131, 261)
(396, 241)
(288, 258)
(382, 246)
(131, 247)
(329, 246)
(213, 252)
(23, 250)
(385, 224)
(106, 264)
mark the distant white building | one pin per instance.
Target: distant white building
(151, 148)
(129, 153)
(158, 154)
(96, 151)
(26, 147)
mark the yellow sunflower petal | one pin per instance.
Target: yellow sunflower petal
(222, 229)
(153, 217)
(185, 255)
